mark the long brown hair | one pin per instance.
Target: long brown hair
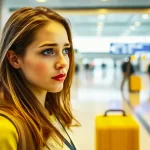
(18, 33)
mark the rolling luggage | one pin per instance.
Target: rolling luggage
(116, 132)
(134, 99)
(135, 83)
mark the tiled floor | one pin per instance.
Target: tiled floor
(93, 92)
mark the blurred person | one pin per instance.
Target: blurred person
(127, 70)
(148, 71)
(103, 66)
(77, 61)
(104, 71)
(86, 66)
(91, 65)
(37, 67)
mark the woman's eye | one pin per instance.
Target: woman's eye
(48, 52)
(66, 50)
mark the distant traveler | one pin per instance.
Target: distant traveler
(77, 61)
(127, 70)
(148, 70)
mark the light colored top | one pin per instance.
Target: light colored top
(9, 136)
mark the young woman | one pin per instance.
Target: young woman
(36, 71)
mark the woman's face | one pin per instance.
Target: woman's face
(46, 61)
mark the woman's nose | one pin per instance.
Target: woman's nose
(61, 62)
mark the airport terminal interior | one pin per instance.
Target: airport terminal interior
(105, 34)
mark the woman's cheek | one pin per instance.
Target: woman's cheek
(41, 68)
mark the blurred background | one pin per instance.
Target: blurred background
(105, 34)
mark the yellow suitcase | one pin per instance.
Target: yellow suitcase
(134, 99)
(135, 83)
(116, 132)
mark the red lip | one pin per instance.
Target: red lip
(59, 77)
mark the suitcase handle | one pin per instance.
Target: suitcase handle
(115, 110)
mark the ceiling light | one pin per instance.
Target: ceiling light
(104, 0)
(145, 16)
(102, 11)
(137, 23)
(41, 1)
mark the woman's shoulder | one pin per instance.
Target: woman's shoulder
(8, 136)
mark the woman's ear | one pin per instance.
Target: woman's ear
(13, 59)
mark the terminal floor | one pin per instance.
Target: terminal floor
(93, 92)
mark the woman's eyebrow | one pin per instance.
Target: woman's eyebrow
(53, 44)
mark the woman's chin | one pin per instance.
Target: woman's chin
(56, 90)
